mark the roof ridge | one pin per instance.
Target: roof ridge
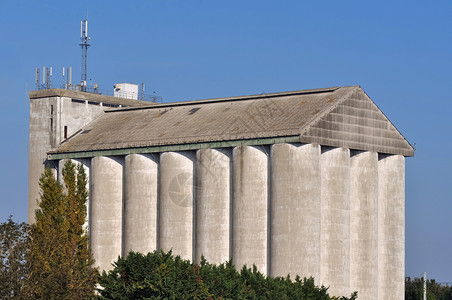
(231, 99)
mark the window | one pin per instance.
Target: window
(65, 132)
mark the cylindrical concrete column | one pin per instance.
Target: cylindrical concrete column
(176, 203)
(106, 210)
(140, 203)
(364, 224)
(391, 227)
(213, 202)
(250, 207)
(295, 210)
(335, 220)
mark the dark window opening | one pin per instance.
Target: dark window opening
(65, 132)
(51, 124)
(51, 110)
(110, 105)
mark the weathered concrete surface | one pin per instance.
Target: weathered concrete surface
(355, 122)
(295, 210)
(106, 210)
(250, 207)
(140, 203)
(364, 224)
(176, 203)
(48, 119)
(213, 203)
(391, 227)
(335, 220)
(39, 143)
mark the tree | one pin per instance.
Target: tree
(13, 268)
(414, 289)
(160, 275)
(60, 262)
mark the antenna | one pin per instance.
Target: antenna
(425, 286)
(37, 79)
(70, 78)
(142, 91)
(84, 44)
(48, 78)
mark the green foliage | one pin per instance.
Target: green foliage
(14, 243)
(160, 275)
(414, 290)
(60, 263)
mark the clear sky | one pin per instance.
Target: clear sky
(398, 51)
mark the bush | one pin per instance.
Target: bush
(160, 275)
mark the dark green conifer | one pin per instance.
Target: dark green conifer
(60, 263)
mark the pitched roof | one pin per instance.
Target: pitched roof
(340, 117)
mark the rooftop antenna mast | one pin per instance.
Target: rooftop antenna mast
(84, 44)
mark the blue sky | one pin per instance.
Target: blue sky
(398, 51)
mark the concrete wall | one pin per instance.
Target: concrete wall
(176, 203)
(48, 119)
(213, 205)
(330, 213)
(39, 143)
(250, 207)
(295, 210)
(391, 227)
(335, 220)
(364, 224)
(140, 203)
(106, 234)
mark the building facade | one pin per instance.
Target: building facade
(307, 182)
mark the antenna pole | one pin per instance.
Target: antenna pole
(37, 79)
(84, 44)
(425, 285)
(142, 91)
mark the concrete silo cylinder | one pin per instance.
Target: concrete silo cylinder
(335, 220)
(176, 203)
(106, 210)
(295, 210)
(364, 224)
(250, 207)
(391, 226)
(213, 202)
(140, 203)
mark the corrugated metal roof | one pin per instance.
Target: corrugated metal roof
(226, 119)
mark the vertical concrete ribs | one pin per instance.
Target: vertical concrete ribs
(335, 214)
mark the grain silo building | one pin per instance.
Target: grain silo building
(308, 182)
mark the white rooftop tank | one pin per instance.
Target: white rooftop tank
(126, 90)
